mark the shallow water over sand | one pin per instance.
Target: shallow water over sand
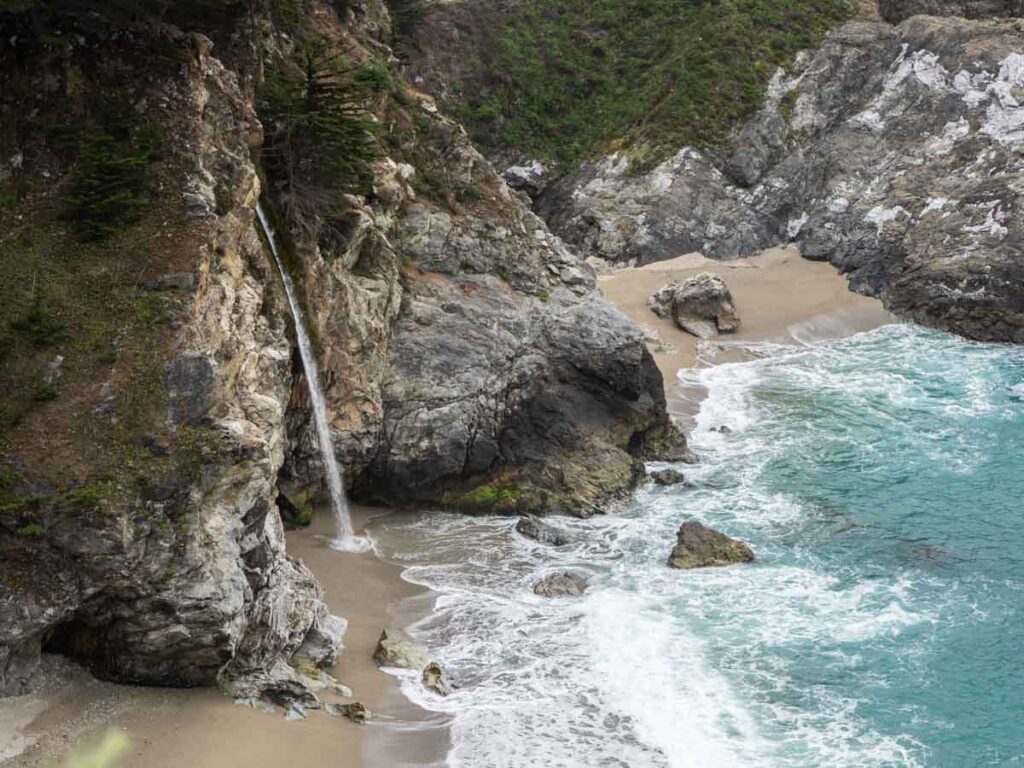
(878, 478)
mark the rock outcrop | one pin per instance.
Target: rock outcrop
(890, 151)
(698, 546)
(562, 584)
(400, 653)
(895, 11)
(467, 357)
(175, 572)
(668, 477)
(545, 533)
(434, 680)
(701, 305)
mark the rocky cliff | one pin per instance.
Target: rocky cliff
(154, 402)
(892, 151)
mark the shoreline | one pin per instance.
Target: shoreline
(779, 296)
(203, 728)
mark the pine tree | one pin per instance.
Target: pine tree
(320, 139)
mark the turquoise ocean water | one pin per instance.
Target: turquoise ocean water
(879, 479)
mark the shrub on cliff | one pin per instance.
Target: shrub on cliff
(320, 139)
(111, 182)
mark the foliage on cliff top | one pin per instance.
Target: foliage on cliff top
(49, 16)
(569, 78)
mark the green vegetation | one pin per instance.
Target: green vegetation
(39, 325)
(569, 78)
(406, 15)
(44, 392)
(320, 139)
(373, 78)
(496, 497)
(112, 181)
(45, 17)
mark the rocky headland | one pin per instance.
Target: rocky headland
(467, 358)
(484, 338)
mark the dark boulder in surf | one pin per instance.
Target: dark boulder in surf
(698, 546)
(545, 533)
(668, 477)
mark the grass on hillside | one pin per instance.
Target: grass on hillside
(570, 78)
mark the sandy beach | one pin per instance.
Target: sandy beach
(779, 295)
(201, 728)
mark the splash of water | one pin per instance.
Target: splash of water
(345, 539)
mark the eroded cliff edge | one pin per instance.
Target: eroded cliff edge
(154, 402)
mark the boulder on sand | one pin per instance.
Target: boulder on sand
(701, 305)
(395, 652)
(534, 528)
(561, 584)
(698, 546)
(356, 711)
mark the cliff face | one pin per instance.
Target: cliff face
(139, 532)
(155, 405)
(891, 151)
(470, 360)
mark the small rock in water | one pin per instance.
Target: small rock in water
(698, 546)
(356, 711)
(668, 477)
(434, 680)
(721, 429)
(562, 584)
(393, 652)
(545, 533)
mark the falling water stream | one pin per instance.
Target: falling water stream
(345, 539)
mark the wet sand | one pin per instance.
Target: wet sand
(779, 296)
(202, 728)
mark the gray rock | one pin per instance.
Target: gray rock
(396, 652)
(434, 680)
(890, 151)
(53, 371)
(538, 530)
(184, 581)
(323, 641)
(698, 546)
(464, 350)
(668, 477)
(563, 584)
(895, 11)
(530, 179)
(173, 281)
(189, 381)
(701, 305)
(355, 711)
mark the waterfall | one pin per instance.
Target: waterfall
(345, 537)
